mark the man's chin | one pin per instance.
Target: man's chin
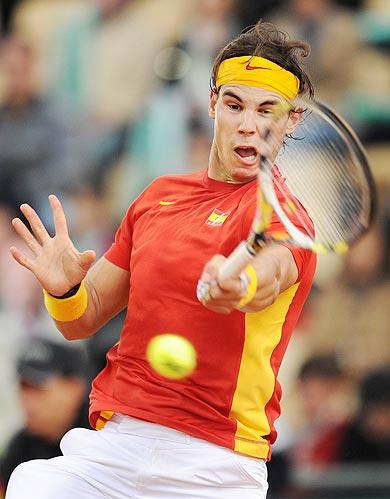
(242, 174)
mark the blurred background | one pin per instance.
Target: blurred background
(98, 97)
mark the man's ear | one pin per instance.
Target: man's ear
(212, 104)
(294, 119)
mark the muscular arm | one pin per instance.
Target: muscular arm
(276, 271)
(108, 289)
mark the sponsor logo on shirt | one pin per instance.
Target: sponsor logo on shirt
(217, 217)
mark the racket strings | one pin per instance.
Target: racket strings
(338, 190)
(326, 218)
(340, 158)
(289, 200)
(324, 174)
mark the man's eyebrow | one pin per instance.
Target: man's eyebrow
(270, 102)
(229, 93)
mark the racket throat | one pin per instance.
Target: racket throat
(256, 243)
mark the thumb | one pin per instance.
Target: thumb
(87, 258)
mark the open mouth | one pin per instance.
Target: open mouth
(247, 154)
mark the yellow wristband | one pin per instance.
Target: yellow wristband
(67, 309)
(251, 288)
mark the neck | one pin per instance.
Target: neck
(217, 171)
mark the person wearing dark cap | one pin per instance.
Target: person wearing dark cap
(367, 438)
(362, 438)
(53, 397)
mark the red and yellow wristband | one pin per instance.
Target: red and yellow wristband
(66, 309)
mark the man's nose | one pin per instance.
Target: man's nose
(247, 124)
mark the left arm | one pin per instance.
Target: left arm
(275, 269)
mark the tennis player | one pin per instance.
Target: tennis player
(208, 435)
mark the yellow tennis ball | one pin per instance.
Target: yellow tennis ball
(171, 356)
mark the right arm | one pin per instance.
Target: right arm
(59, 266)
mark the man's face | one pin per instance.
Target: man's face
(241, 114)
(50, 407)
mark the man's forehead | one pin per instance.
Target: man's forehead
(247, 92)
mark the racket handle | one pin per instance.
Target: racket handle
(235, 262)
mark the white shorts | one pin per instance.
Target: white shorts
(130, 458)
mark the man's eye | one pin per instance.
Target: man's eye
(234, 107)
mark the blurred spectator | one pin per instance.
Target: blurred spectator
(213, 24)
(98, 58)
(249, 12)
(102, 56)
(54, 399)
(360, 270)
(322, 395)
(367, 437)
(334, 39)
(37, 153)
(367, 101)
(355, 302)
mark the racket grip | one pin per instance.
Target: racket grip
(235, 262)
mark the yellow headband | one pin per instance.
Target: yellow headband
(258, 72)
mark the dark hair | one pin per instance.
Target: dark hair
(375, 387)
(266, 40)
(320, 366)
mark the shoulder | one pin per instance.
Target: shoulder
(171, 184)
(164, 188)
(174, 180)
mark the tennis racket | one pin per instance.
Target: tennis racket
(317, 184)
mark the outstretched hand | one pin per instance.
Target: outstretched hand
(57, 265)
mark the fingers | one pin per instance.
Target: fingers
(219, 297)
(208, 278)
(210, 275)
(21, 258)
(25, 234)
(36, 225)
(60, 223)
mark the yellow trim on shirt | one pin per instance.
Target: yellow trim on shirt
(104, 416)
(256, 379)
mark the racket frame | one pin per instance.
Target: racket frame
(268, 202)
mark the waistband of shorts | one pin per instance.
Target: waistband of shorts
(129, 425)
(133, 426)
